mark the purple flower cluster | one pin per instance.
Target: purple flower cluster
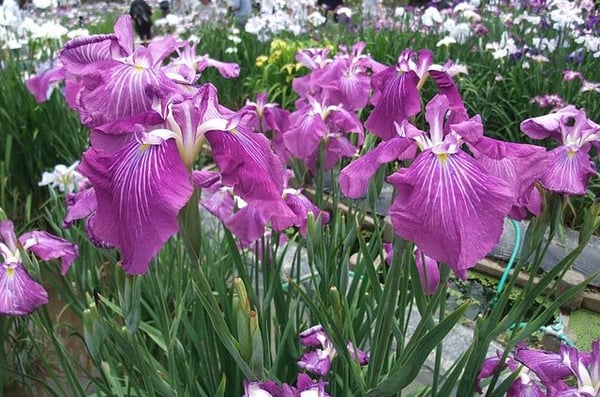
(305, 387)
(149, 122)
(452, 199)
(568, 373)
(318, 360)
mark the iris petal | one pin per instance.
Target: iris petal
(48, 247)
(19, 293)
(398, 100)
(450, 207)
(355, 178)
(140, 191)
(252, 170)
(115, 91)
(567, 171)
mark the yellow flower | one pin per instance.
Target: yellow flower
(275, 55)
(260, 60)
(289, 68)
(278, 44)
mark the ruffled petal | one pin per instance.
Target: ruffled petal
(355, 177)
(450, 207)
(19, 293)
(140, 191)
(114, 91)
(48, 247)
(303, 139)
(398, 100)
(547, 125)
(41, 86)
(247, 224)
(548, 366)
(251, 169)
(567, 171)
(519, 165)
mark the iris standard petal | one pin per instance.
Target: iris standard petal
(48, 247)
(253, 171)
(355, 177)
(547, 125)
(19, 293)
(140, 191)
(398, 100)
(450, 207)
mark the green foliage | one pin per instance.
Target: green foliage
(34, 138)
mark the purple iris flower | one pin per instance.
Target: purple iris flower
(269, 119)
(346, 80)
(188, 66)
(305, 387)
(396, 92)
(569, 166)
(314, 124)
(140, 169)
(19, 293)
(318, 361)
(108, 79)
(447, 202)
(551, 372)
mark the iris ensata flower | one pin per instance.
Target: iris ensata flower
(141, 171)
(315, 124)
(248, 222)
(551, 372)
(446, 201)
(396, 91)
(305, 387)
(187, 66)
(108, 79)
(569, 167)
(318, 361)
(345, 80)
(269, 119)
(19, 293)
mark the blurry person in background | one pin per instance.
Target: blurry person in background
(330, 7)
(241, 10)
(205, 10)
(372, 9)
(141, 13)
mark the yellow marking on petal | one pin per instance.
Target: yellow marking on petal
(443, 157)
(144, 147)
(138, 68)
(570, 153)
(10, 271)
